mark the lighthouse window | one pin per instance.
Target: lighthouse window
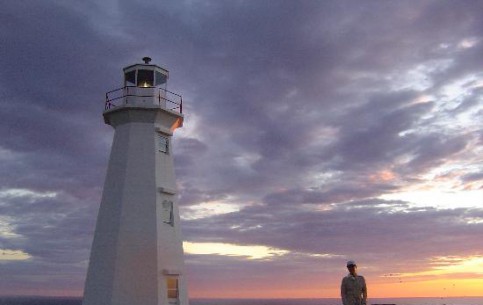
(168, 216)
(172, 289)
(163, 143)
(145, 78)
(160, 78)
(130, 78)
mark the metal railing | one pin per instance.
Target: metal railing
(165, 98)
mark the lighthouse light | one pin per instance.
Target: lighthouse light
(145, 78)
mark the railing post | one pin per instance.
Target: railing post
(127, 94)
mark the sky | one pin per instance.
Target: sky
(315, 132)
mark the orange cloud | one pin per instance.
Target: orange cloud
(384, 175)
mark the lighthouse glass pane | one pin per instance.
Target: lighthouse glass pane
(168, 216)
(130, 78)
(172, 288)
(163, 143)
(160, 78)
(145, 78)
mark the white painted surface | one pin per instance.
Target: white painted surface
(134, 251)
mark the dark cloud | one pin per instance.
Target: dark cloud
(300, 115)
(382, 236)
(56, 232)
(358, 228)
(472, 177)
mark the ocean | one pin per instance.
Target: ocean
(396, 301)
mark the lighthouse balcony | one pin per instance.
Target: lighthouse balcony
(144, 97)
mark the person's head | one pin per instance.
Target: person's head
(352, 267)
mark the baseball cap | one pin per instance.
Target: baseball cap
(351, 263)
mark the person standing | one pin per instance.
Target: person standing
(353, 289)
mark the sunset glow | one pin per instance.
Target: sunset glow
(438, 198)
(313, 133)
(250, 252)
(13, 255)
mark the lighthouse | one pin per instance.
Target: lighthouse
(137, 251)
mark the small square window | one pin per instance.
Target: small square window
(163, 143)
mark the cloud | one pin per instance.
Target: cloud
(367, 226)
(307, 128)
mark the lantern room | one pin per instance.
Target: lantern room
(145, 75)
(145, 85)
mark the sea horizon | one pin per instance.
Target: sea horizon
(63, 300)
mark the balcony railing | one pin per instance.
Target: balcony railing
(159, 96)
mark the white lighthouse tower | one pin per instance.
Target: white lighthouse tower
(137, 252)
